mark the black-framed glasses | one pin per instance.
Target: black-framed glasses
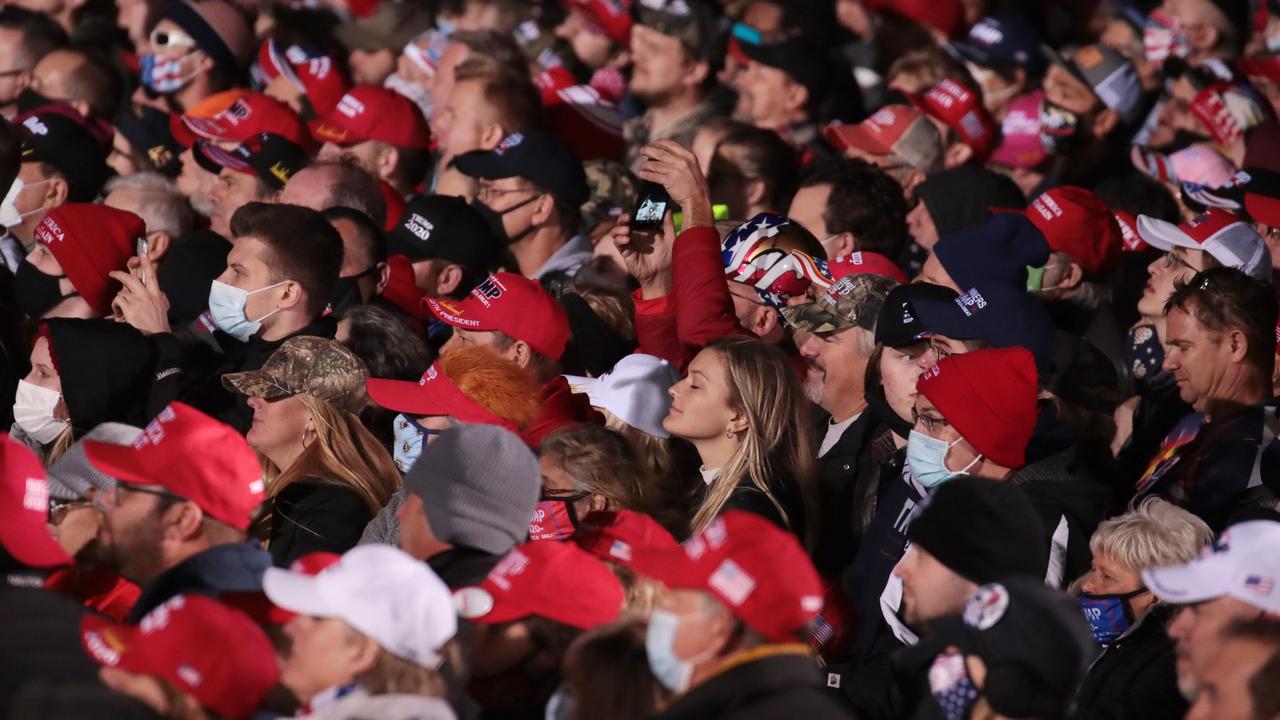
(58, 509)
(566, 495)
(121, 487)
(1169, 260)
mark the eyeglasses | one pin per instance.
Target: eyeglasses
(1169, 260)
(488, 192)
(566, 495)
(58, 509)
(117, 492)
(171, 40)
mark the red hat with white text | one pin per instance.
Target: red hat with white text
(513, 305)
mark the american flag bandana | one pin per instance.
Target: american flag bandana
(952, 687)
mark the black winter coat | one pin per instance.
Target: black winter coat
(781, 682)
(1134, 678)
(315, 516)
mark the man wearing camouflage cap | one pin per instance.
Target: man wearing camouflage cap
(835, 335)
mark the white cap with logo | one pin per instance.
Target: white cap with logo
(380, 591)
(1244, 563)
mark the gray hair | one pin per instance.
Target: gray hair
(160, 205)
(1154, 533)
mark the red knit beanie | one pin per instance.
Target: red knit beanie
(90, 241)
(989, 397)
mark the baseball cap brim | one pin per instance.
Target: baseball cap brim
(107, 643)
(1198, 580)
(296, 593)
(844, 137)
(1262, 208)
(481, 605)
(325, 131)
(975, 54)
(118, 461)
(213, 158)
(1056, 58)
(809, 318)
(455, 320)
(940, 318)
(34, 548)
(583, 386)
(1164, 235)
(255, 383)
(418, 400)
(484, 164)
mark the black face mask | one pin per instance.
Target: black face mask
(37, 292)
(494, 219)
(346, 292)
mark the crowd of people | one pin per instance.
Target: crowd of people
(628, 359)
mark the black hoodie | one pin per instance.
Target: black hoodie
(109, 373)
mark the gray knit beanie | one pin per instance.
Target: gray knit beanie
(479, 485)
(71, 476)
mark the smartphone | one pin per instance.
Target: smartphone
(651, 206)
(143, 248)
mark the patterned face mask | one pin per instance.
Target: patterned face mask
(951, 686)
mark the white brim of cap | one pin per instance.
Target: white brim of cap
(1197, 581)
(1164, 235)
(581, 384)
(296, 593)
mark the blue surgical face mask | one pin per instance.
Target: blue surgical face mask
(226, 307)
(927, 457)
(1109, 616)
(660, 646)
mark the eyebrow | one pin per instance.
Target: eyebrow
(698, 372)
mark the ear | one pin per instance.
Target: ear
(912, 182)
(158, 242)
(184, 521)
(755, 192)
(698, 73)
(544, 209)
(384, 277)
(797, 96)
(1237, 345)
(521, 353)
(1073, 278)
(843, 244)
(957, 154)
(292, 296)
(388, 159)
(765, 320)
(1105, 122)
(449, 280)
(82, 107)
(55, 193)
(205, 63)
(738, 423)
(492, 136)
(364, 656)
(597, 502)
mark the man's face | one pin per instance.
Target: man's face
(355, 259)
(697, 613)
(1065, 90)
(42, 258)
(49, 77)
(514, 199)
(659, 65)
(196, 183)
(308, 187)
(367, 155)
(900, 369)
(1176, 266)
(837, 366)
(1197, 356)
(30, 202)
(14, 72)
(426, 275)
(131, 532)
(934, 273)
(766, 96)
(930, 590)
(930, 421)
(1225, 692)
(247, 269)
(591, 46)
(809, 208)
(441, 84)
(1197, 630)
(920, 224)
(415, 534)
(371, 67)
(460, 123)
(232, 191)
(468, 338)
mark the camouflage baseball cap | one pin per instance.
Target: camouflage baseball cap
(613, 191)
(696, 23)
(318, 367)
(853, 301)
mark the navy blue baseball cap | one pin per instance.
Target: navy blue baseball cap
(1002, 317)
(997, 252)
(1002, 41)
(535, 156)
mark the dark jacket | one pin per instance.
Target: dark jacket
(237, 567)
(462, 566)
(1068, 491)
(41, 639)
(846, 496)
(315, 516)
(1134, 678)
(749, 498)
(774, 681)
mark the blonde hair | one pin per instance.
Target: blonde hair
(343, 453)
(600, 461)
(615, 309)
(1154, 533)
(391, 674)
(778, 440)
(668, 473)
(59, 446)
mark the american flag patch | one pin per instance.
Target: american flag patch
(1259, 585)
(732, 582)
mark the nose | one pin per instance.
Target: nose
(806, 343)
(255, 402)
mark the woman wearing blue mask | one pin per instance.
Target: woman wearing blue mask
(1135, 675)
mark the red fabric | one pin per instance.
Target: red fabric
(947, 16)
(961, 110)
(97, 588)
(555, 580)
(656, 329)
(24, 508)
(511, 304)
(613, 534)
(90, 241)
(561, 407)
(402, 292)
(433, 394)
(989, 397)
(1074, 221)
(368, 112)
(703, 305)
(249, 115)
(191, 455)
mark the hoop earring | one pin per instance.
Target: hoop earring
(730, 434)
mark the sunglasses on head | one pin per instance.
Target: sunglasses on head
(171, 39)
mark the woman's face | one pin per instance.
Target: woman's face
(1108, 576)
(701, 406)
(46, 376)
(323, 653)
(278, 425)
(558, 483)
(900, 368)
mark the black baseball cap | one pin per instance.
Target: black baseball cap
(58, 135)
(899, 324)
(796, 57)
(535, 156)
(147, 130)
(446, 228)
(273, 158)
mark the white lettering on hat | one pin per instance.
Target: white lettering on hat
(189, 675)
(295, 55)
(319, 68)
(811, 603)
(257, 487)
(158, 619)
(429, 375)
(153, 434)
(732, 582)
(883, 117)
(510, 141)
(513, 564)
(50, 231)
(489, 290)
(1048, 208)
(98, 647)
(971, 301)
(350, 106)
(986, 607)
(35, 125)
(419, 226)
(36, 497)
(987, 33)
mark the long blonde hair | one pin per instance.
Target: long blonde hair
(343, 453)
(778, 440)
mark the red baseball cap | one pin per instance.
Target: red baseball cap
(615, 535)
(989, 397)
(754, 567)
(961, 109)
(193, 456)
(1231, 241)
(945, 16)
(579, 116)
(609, 17)
(309, 69)
(402, 290)
(247, 116)
(89, 241)
(210, 651)
(1132, 241)
(511, 304)
(556, 580)
(24, 508)
(204, 109)
(863, 262)
(1074, 221)
(368, 112)
(433, 394)
(898, 130)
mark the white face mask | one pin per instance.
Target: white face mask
(9, 215)
(33, 412)
(417, 94)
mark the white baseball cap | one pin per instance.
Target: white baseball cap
(1226, 237)
(380, 591)
(1244, 563)
(635, 390)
